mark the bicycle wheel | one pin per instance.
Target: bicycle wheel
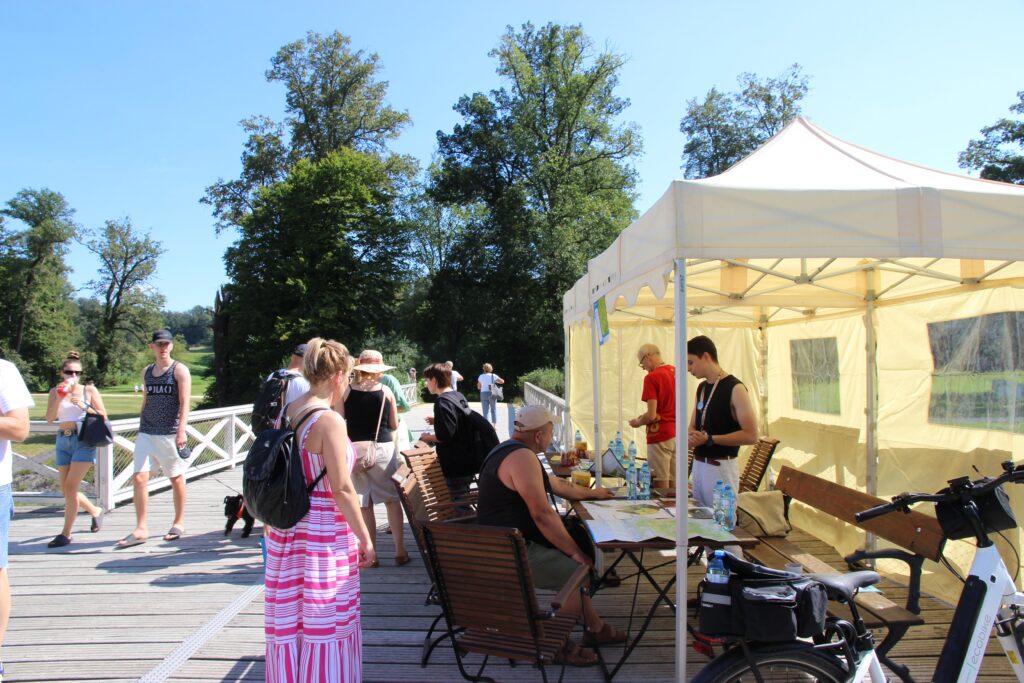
(799, 663)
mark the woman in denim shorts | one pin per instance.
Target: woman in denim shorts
(67, 406)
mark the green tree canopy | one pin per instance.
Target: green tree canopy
(999, 154)
(539, 170)
(725, 127)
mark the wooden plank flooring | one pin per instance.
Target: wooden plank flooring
(90, 613)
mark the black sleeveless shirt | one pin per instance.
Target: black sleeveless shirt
(718, 418)
(501, 506)
(361, 411)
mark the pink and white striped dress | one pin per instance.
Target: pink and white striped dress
(311, 606)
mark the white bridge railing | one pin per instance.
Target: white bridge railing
(534, 395)
(219, 439)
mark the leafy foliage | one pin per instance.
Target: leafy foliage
(194, 325)
(726, 127)
(551, 380)
(999, 154)
(532, 183)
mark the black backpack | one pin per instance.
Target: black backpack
(482, 437)
(273, 486)
(266, 409)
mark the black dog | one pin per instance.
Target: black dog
(234, 509)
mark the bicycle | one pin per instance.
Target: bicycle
(844, 651)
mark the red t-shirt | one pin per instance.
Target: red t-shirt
(660, 385)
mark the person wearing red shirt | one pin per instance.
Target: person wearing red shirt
(660, 417)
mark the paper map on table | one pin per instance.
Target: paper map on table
(635, 521)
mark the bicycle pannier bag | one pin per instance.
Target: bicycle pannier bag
(273, 485)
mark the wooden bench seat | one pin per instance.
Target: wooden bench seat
(917, 535)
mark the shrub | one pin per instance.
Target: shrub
(551, 380)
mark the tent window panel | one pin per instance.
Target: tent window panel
(815, 367)
(978, 379)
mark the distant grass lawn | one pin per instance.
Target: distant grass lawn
(197, 360)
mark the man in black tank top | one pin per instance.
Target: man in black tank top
(513, 492)
(722, 421)
(167, 387)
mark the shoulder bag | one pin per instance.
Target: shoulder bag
(496, 391)
(95, 430)
(369, 452)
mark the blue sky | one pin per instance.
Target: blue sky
(131, 109)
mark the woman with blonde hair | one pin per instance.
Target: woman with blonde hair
(68, 403)
(370, 409)
(311, 604)
(485, 383)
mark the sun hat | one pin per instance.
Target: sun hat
(533, 417)
(372, 361)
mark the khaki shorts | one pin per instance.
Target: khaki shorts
(551, 568)
(661, 458)
(163, 449)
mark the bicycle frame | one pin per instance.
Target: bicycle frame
(985, 603)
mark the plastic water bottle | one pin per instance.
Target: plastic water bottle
(728, 508)
(620, 449)
(717, 572)
(644, 483)
(631, 481)
(632, 451)
(716, 501)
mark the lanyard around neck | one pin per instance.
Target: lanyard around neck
(707, 401)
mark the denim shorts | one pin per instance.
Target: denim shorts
(6, 514)
(70, 449)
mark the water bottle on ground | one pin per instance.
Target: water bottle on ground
(728, 508)
(717, 571)
(644, 482)
(631, 481)
(716, 502)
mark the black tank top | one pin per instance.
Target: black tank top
(361, 411)
(501, 506)
(162, 410)
(718, 418)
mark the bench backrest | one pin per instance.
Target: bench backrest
(757, 463)
(433, 489)
(917, 532)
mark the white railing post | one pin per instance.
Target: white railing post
(105, 477)
(534, 395)
(229, 441)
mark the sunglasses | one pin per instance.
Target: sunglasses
(72, 372)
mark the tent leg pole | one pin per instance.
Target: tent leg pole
(568, 436)
(871, 426)
(595, 362)
(682, 474)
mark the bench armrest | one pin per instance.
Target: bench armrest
(914, 562)
(574, 584)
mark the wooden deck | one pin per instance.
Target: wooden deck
(192, 610)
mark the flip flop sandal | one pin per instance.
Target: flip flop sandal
(607, 634)
(402, 559)
(129, 541)
(174, 533)
(574, 655)
(59, 541)
(97, 523)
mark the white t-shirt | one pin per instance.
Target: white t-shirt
(13, 395)
(486, 380)
(455, 379)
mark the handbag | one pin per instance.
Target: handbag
(762, 513)
(369, 452)
(496, 391)
(95, 430)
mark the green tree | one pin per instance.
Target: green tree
(999, 154)
(194, 325)
(37, 311)
(333, 100)
(540, 171)
(320, 254)
(130, 305)
(725, 127)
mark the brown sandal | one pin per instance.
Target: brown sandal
(574, 655)
(607, 634)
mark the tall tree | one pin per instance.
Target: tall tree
(725, 127)
(320, 254)
(333, 100)
(130, 304)
(542, 167)
(999, 154)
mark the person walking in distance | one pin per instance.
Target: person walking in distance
(167, 386)
(14, 426)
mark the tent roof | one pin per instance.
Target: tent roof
(808, 224)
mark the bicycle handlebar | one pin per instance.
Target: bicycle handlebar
(956, 490)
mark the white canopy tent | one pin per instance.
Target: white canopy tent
(854, 295)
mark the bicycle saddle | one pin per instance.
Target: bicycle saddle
(842, 586)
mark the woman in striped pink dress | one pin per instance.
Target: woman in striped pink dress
(311, 606)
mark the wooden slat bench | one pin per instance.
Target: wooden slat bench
(918, 536)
